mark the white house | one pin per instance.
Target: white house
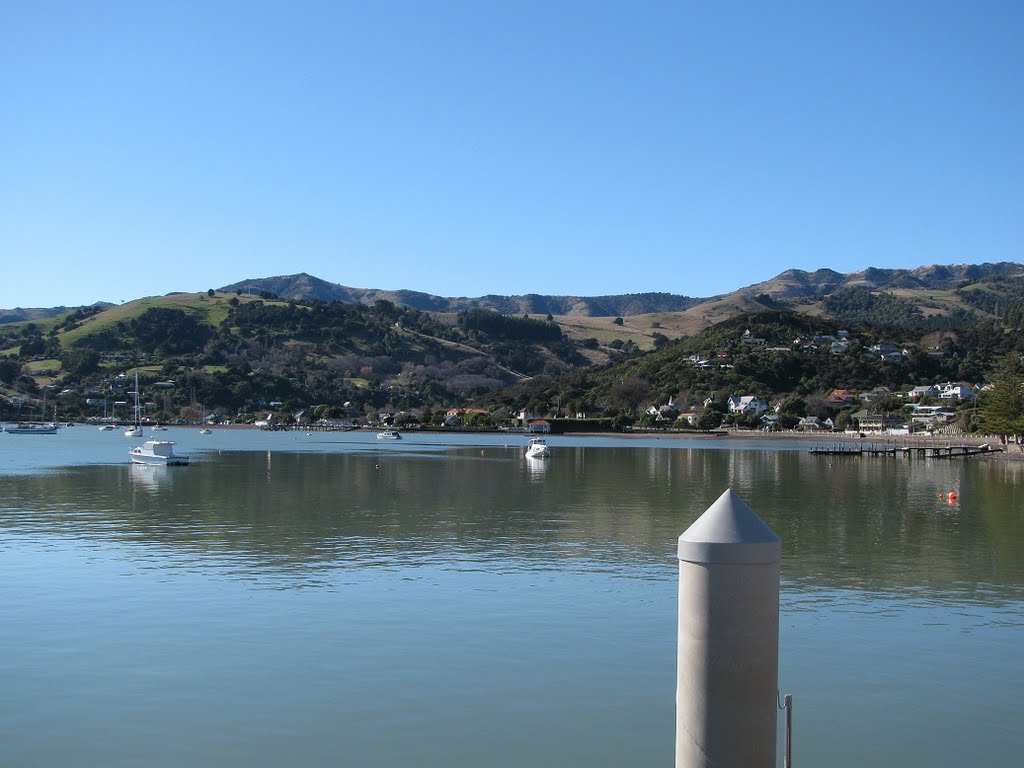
(747, 404)
(957, 392)
(924, 391)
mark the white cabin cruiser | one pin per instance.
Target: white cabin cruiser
(538, 449)
(157, 452)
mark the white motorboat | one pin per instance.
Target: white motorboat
(538, 449)
(157, 452)
(389, 434)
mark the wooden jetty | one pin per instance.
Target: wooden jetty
(910, 451)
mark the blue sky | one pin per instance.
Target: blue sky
(466, 148)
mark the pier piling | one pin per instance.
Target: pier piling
(728, 642)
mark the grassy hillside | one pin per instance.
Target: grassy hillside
(206, 309)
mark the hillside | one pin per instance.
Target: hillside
(241, 351)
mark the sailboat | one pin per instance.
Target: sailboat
(106, 426)
(36, 427)
(205, 430)
(135, 430)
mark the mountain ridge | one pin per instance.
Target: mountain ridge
(792, 285)
(789, 285)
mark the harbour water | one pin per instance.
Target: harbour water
(325, 600)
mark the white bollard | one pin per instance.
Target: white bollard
(728, 655)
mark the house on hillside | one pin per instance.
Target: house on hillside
(747, 404)
(664, 412)
(811, 424)
(878, 393)
(876, 423)
(957, 392)
(926, 390)
(689, 417)
(456, 417)
(748, 340)
(840, 398)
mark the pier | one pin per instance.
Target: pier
(909, 451)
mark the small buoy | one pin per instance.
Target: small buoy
(376, 466)
(481, 452)
(952, 496)
(942, 495)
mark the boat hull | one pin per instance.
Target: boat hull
(159, 461)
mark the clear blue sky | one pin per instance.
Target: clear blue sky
(465, 148)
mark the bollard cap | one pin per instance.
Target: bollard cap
(729, 532)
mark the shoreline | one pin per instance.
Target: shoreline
(1008, 451)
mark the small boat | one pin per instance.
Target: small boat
(105, 427)
(389, 434)
(205, 430)
(538, 449)
(157, 452)
(157, 428)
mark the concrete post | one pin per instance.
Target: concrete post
(728, 655)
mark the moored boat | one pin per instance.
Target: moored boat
(389, 434)
(538, 449)
(157, 452)
(32, 428)
(135, 430)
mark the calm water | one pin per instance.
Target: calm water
(325, 600)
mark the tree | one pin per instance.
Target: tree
(630, 393)
(9, 370)
(79, 362)
(1002, 404)
(709, 419)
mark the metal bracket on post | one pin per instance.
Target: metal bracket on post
(787, 760)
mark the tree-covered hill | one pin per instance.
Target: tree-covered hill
(242, 352)
(801, 357)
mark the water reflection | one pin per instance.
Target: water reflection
(537, 468)
(151, 478)
(849, 523)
